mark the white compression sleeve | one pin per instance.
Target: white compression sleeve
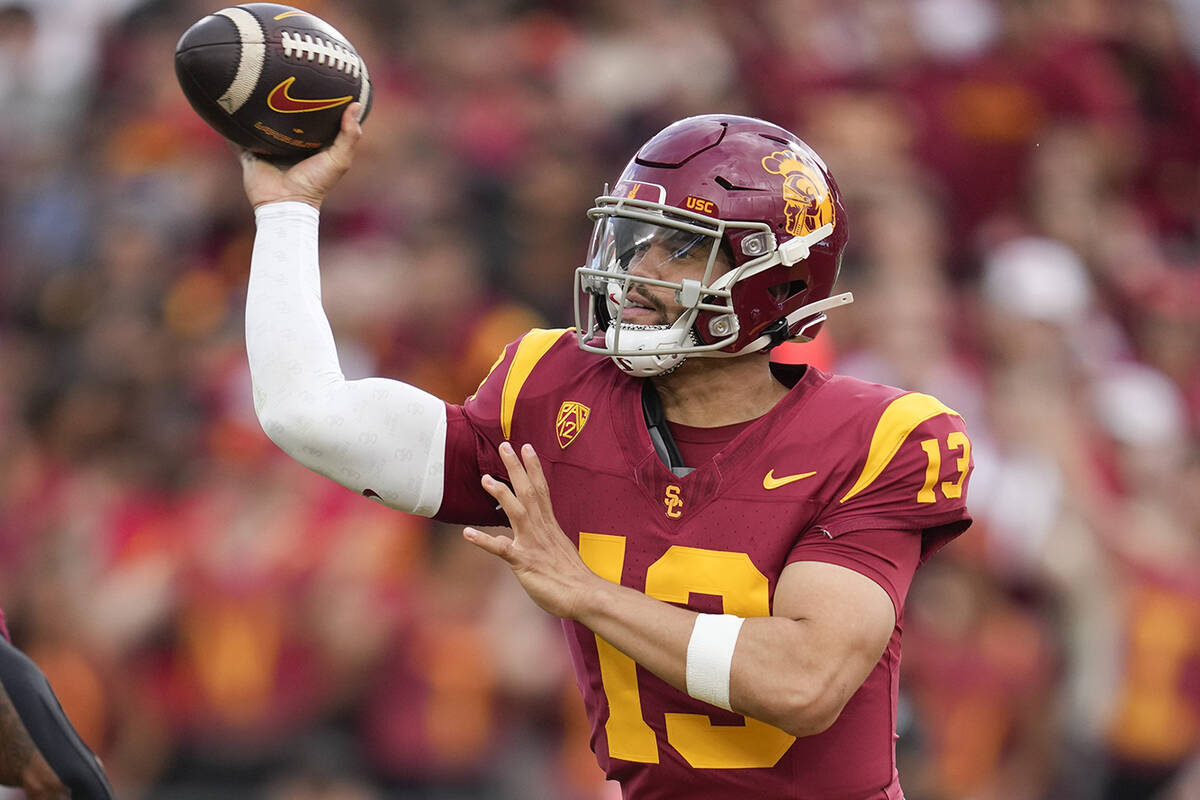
(376, 434)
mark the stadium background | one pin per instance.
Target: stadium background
(1023, 180)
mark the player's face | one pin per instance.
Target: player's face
(669, 255)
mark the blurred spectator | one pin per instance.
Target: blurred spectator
(981, 670)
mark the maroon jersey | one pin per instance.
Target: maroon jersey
(858, 474)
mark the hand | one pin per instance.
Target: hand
(40, 783)
(539, 553)
(309, 180)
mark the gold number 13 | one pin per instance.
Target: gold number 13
(956, 440)
(672, 578)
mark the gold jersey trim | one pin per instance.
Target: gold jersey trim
(899, 419)
(533, 346)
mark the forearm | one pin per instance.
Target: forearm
(794, 670)
(774, 676)
(653, 633)
(375, 436)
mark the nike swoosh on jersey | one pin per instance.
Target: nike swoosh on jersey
(280, 100)
(771, 482)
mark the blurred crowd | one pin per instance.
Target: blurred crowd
(1022, 180)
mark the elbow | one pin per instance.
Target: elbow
(286, 425)
(809, 708)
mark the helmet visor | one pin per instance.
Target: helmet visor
(650, 270)
(650, 248)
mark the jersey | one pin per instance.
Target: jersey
(836, 460)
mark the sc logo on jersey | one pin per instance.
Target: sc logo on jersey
(673, 502)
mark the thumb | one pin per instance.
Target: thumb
(344, 146)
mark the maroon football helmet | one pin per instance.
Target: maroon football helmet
(747, 200)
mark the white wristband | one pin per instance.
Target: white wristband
(710, 655)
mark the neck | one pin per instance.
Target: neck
(710, 392)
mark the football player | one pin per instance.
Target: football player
(729, 542)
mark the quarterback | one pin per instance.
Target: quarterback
(729, 542)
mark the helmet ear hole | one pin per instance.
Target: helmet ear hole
(782, 291)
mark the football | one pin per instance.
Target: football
(271, 78)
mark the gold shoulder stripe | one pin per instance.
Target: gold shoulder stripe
(529, 352)
(899, 419)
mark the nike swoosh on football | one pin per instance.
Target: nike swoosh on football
(771, 482)
(279, 100)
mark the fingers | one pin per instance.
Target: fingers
(527, 479)
(504, 496)
(496, 545)
(533, 466)
(528, 498)
(517, 475)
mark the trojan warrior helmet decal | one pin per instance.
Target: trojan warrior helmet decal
(809, 204)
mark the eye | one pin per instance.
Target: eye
(630, 254)
(686, 248)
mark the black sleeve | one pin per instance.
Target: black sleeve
(76, 766)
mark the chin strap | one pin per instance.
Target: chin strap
(820, 307)
(660, 432)
(796, 249)
(815, 310)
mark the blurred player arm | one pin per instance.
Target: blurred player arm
(21, 764)
(41, 751)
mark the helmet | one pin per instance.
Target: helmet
(751, 206)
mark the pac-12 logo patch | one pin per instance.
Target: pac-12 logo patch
(572, 416)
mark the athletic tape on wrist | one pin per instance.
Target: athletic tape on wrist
(709, 657)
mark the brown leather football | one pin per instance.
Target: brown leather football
(271, 78)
